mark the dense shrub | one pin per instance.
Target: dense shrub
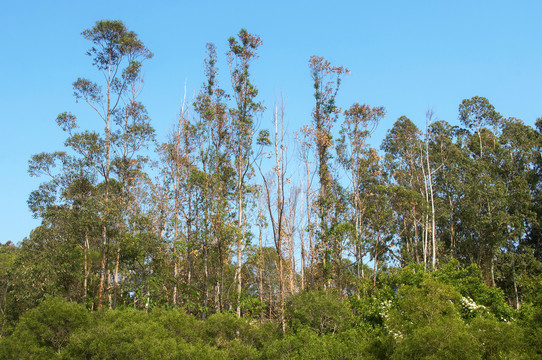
(321, 311)
(45, 330)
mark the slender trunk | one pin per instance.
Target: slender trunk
(189, 261)
(452, 237)
(85, 268)
(260, 265)
(205, 279)
(109, 297)
(415, 245)
(102, 266)
(280, 210)
(515, 284)
(375, 264)
(147, 299)
(177, 205)
(116, 279)
(430, 185)
(359, 255)
(175, 277)
(103, 262)
(480, 140)
(433, 226)
(176, 255)
(220, 278)
(240, 242)
(292, 257)
(309, 225)
(281, 310)
(269, 283)
(426, 217)
(492, 270)
(302, 245)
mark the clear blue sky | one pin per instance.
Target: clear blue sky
(407, 56)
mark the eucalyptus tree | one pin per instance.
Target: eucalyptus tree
(215, 131)
(276, 201)
(446, 149)
(476, 114)
(116, 54)
(517, 168)
(534, 232)
(360, 121)
(178, 162)
(242, 52)
(404, 164)
(326, 82)
(69, 208)
(305, 153)
(484, 211)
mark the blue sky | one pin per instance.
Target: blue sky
(407, 56)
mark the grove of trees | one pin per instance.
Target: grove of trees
(239, 239)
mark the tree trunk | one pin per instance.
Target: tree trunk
(116, 279)
(85, 268)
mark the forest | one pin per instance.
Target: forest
(242, 238)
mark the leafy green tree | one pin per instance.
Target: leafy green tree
(360, 121)
(117, 54)
(216, 180)
(8, 256)
(476, 114)
(448, 154)
(404, 163)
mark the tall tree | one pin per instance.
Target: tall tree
(326, 82)
(404, 164)
(242, 52)
(360, 121)
(117, 54)
(215, 132)
(276, 203)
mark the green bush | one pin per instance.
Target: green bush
(221, 328)
(533, 332)
(321, 311)
(426, 324)
(43, 332)
(134, 334)
(468, 282)
(499, 339)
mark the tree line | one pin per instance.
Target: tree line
(131, 222)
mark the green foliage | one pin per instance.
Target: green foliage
(349, 344)
(8, 257)
(320, 311)
(221, 328)
(425, 323)
(442, 339)
(47, 265)
(45, 331)
(468, 282)
(134, 334)
(499, 339)
(112, 41)
(533, 332)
